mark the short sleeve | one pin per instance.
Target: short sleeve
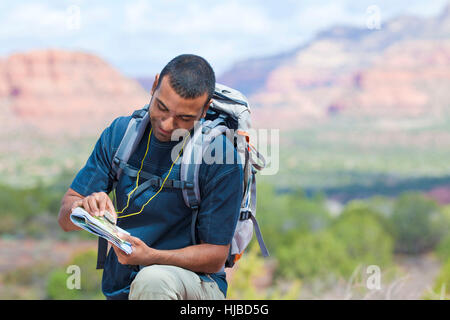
(221, 196)
(94, 176)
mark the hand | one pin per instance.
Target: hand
(142, 254)
(96, 204)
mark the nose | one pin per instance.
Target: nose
(167, 124)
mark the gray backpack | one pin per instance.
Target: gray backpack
(228, 113)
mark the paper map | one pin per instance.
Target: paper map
(100, 227)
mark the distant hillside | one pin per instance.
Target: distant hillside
(54, 104)
(401, 70)
(357, 109)
(53, 90)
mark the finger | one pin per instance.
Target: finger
(98, 202)
(125, 237)
(111, 209)
(86, 206)
(93, 205)
(134, 241)
(101, 204)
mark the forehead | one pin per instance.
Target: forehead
(167, 95)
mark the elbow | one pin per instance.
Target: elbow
(218, 258)
(218, 268)
(62, 224)
(217, 265)
(64, 220)
(212, 268)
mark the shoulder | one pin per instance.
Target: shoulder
(119, 124)
(220, 159)
(116, 130)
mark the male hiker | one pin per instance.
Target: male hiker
(170, 265)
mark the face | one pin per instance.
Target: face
(169, 111)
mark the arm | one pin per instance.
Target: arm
(204, 257)
(92, 178)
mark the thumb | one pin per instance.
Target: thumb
(125, 237)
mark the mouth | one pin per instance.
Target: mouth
(163, 132)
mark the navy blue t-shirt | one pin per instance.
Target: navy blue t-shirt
(165, 221)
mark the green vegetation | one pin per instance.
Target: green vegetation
(308, 240)
(243, 286)
(309, 243)
(355, 237)
(362, 152)
(48, 281)
(418, 223)
(443, 249)
(25, 282)
(441, 287)
(33, 211)
(90, 279)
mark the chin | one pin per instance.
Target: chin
(162, 138)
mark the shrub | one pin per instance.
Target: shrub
(313, 255)
(362, 231)
(417, 223)
(281, 214)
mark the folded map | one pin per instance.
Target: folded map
(100, 227)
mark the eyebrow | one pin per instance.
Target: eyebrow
(179, 115)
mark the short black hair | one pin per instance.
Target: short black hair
(190, 76)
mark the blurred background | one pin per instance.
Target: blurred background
(360, 205)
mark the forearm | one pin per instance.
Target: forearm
(65, 211)
(204, 257)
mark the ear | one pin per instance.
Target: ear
(205, 109)
(155, 83)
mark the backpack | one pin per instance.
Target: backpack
(228, 112)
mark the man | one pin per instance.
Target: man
(171, 266)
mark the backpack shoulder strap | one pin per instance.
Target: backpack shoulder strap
(133, 134)
(193, 153)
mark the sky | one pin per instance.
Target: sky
(139, 37)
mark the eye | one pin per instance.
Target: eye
(161, 107)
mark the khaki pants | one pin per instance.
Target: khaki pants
(164, 282)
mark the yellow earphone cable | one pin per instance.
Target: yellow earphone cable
(137, 180)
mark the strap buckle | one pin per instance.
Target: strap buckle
(188, 185)
(245, 214)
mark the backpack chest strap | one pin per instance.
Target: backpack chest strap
(152, 180)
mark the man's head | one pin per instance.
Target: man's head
(181, 94)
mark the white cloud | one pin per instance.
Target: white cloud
(148, 33)
(34, 19)
(175, 18)
(318, 16)
(44, 21)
